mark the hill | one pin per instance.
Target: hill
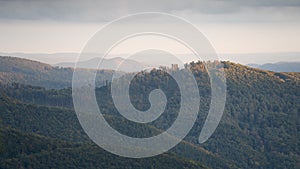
(259, 128)
(17, 70)
(23, 150)
(62, 124)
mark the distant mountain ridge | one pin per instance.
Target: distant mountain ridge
(125, 65)
(279, 67)
(243, 58)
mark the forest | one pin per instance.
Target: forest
(39, 128)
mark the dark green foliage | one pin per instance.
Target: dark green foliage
(34, 151)
(62, 124)
(40, 95)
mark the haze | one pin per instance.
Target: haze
(235, 27)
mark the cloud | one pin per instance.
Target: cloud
(103, 11)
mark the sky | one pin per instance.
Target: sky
(233, 26)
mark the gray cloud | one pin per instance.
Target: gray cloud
(101, 11)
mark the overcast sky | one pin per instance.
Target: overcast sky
(233, 26)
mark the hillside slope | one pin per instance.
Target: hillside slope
(23, 71)
(23, 150)
(62, 124)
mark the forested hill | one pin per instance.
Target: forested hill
(259, 128)
(27, 150)
(43, 137)
(24, 71)
(31, 72)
